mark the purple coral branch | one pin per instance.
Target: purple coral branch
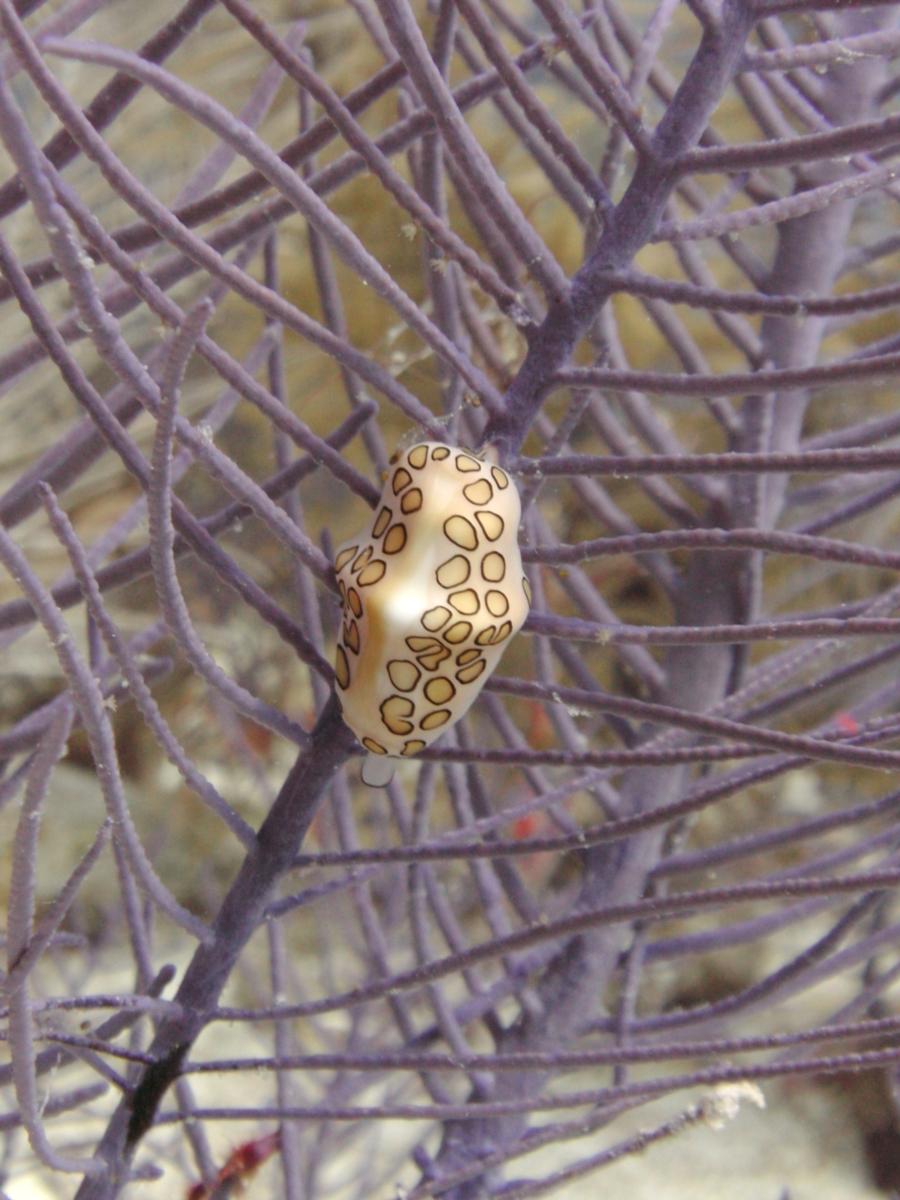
(650, 909)
(616, 731)
(162, 541)
(200, 536)
(137, 685)
(621, 466)
(824, 549)
(633, 222)
(403, 1059)
(114, 97)
(376, 161)
(277, 842)
(469, 156)
(160, 216)
(20, 947)
(732, 383)
(96, 722)
(140, 236)
(302, 198)
(577, 629)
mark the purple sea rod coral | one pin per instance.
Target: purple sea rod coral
(637, 259)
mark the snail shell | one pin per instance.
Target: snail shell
(431, 593)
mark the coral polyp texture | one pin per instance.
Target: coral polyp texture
(431, 594)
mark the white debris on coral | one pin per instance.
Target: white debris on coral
(724, 1103)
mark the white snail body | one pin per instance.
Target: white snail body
(431, 595)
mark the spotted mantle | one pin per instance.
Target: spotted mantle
(431, 595)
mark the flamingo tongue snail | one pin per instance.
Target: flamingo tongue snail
(431, 595)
